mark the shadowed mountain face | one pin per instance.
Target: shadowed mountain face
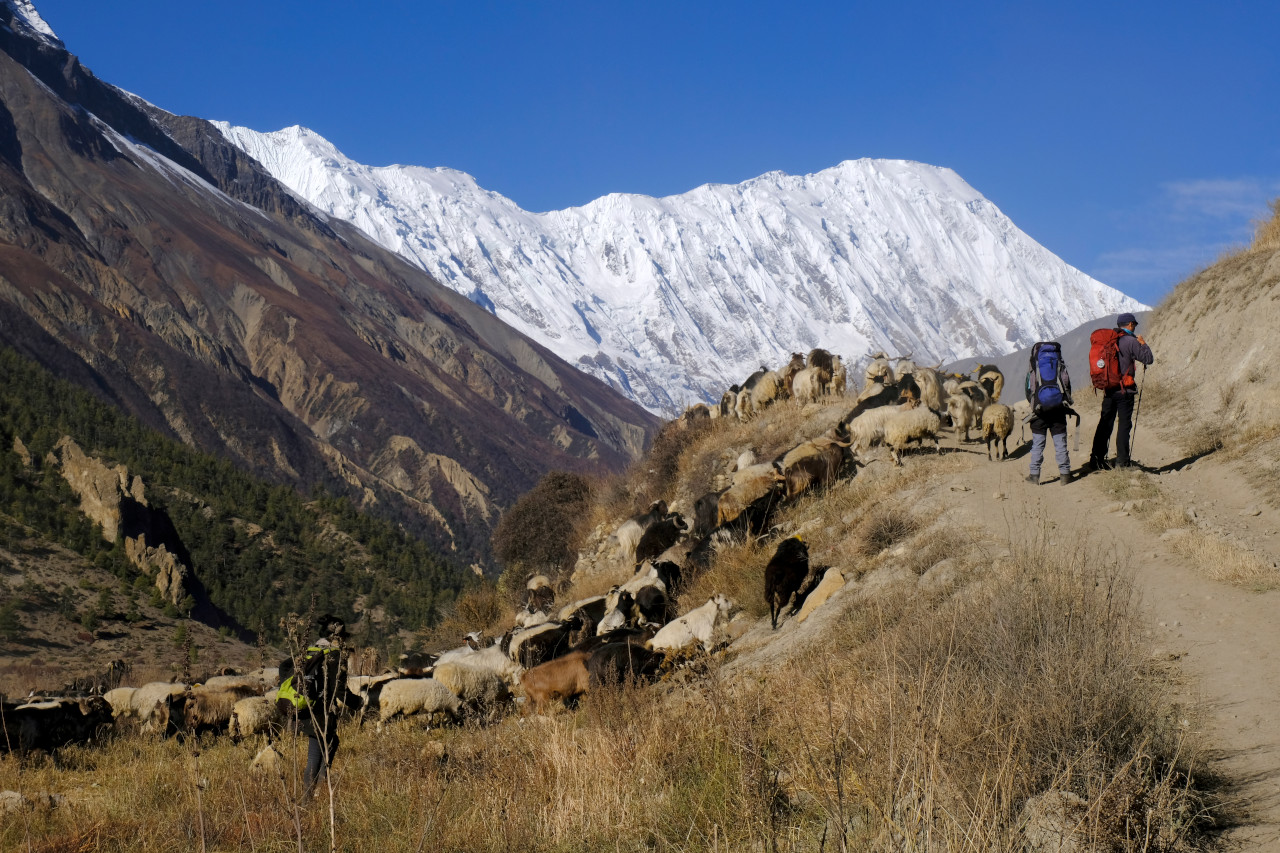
(145, 257)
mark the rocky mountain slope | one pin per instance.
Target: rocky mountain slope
(146, 258)
(670, 300)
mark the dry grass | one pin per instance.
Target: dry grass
(1214, 556)
(1266, 235)
(916, 724)
(907, 721)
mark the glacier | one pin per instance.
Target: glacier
(670, 300)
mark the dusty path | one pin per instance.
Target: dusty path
(1225, 639)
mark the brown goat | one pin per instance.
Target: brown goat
(564, 679)
(812, 472)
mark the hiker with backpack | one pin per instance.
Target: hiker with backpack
(1113, 356)
(310, 688)
(1048, 389)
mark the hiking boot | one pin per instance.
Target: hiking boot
(1099, 465)
(1064, 479)
(1033, 479)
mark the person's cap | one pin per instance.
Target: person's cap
(1126, 319)
(332, 626)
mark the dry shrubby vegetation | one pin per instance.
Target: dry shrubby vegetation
(1266, 237)
(1214, 380)
(954, 695)
(1215, 555)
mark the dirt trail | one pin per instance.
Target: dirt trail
(1225, 639)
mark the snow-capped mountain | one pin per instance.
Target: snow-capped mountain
(27, 19)
(671, 300)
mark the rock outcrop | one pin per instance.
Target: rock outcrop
(117, 503)
(101, 490)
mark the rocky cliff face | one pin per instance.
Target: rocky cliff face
(117, 503)
(146, 258)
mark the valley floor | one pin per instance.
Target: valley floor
(1224, 636)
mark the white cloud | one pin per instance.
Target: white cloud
(1144, 269)
(1184, 227)
(1239, 199)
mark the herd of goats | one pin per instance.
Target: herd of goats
(556, 652)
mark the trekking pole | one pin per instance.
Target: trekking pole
(1137, 404)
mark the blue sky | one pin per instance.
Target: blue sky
(1136, 140)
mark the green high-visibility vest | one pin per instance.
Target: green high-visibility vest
(288, 691)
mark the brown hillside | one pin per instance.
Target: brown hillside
(1214, 379)
(144, 257)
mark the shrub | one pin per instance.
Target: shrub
(542, 531)
(884, 527)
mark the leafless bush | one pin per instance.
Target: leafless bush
(541, 532)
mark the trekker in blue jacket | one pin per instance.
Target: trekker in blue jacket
(1119, 400)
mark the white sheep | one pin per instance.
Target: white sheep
(759, 392)
(912, 425)
(964, 414)
(997, 423)
(590, 604)
(493, 659)
(644, 577)
(628, 534)
(618, 605)
(147, 698)
(225, 682)
(698, 625)
(254, 715)
(748, 485)
(1021, 414)
(475, 686)
(868, 428)
(809, 383)
(410, 696)
(269, 674)
(120, 700)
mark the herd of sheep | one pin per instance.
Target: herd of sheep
(557, 651)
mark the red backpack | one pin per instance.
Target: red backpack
(1104, 359)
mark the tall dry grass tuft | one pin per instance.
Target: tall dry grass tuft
(1266, 235)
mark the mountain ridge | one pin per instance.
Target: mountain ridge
(672, 299)
(151, 261)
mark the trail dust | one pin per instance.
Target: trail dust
(1223, 639)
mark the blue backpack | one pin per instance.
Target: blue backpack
(1048, 384)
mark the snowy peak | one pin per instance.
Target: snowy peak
(670, 300)
(28, 21)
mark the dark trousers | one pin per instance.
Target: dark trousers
(318, 758)
(1113, 404)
